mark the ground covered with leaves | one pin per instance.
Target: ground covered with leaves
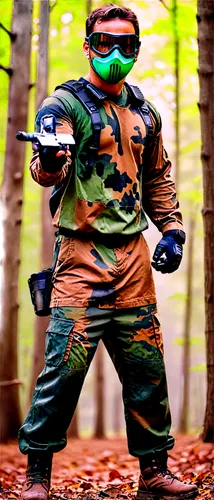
(102, 469)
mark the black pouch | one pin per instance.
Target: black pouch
(40, 291)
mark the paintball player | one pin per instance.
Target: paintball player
(102, 284)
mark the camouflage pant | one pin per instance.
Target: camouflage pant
(133, 339)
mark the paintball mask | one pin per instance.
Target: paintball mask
(117, 53)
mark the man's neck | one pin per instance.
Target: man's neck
(115, 89)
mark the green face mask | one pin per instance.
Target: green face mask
(113, 68)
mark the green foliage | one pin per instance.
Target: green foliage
(67, 32)
(198, 368)
(194, 194)
(193, 341)
(190, 146)
(178, 296)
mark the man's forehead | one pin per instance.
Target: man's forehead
(115, 25)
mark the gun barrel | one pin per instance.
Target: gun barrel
(23, 136)
(46, 139)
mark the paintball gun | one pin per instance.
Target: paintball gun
(47, 135)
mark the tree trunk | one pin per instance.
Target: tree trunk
(73, 430)
(12, 197)
(174, 13)
(42, 58)
(183, 425)
(47, 239)
(205, 19)
(99, 393)
(88, 6)
(117, 405)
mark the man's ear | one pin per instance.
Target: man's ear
(86, 49)
(136, 57)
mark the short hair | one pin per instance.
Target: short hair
(111, 11)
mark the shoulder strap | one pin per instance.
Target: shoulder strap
(145, 114)
(156, 116)
(138, 100)
(91, 98)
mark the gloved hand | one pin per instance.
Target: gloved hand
(168, 252)
(52, 158)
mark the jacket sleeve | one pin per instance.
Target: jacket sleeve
(46, 179)
(158, 188)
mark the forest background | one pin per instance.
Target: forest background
(155, 74)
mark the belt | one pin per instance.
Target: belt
(113, 240)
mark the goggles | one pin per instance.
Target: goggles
(104, 43)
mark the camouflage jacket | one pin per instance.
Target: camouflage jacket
(128, 179)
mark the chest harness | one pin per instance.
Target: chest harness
(92, 99)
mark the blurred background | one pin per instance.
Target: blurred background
(166, 72)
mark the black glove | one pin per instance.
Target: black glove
(52, 158)
(168, 253)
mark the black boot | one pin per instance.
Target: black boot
(38, 477)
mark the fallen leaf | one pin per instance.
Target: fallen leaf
(114, 474)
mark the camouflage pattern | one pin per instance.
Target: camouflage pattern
(126, 182)
(88, 273)
(134, 341)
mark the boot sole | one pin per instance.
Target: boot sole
(145, 495)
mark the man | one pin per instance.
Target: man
(102, 282)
